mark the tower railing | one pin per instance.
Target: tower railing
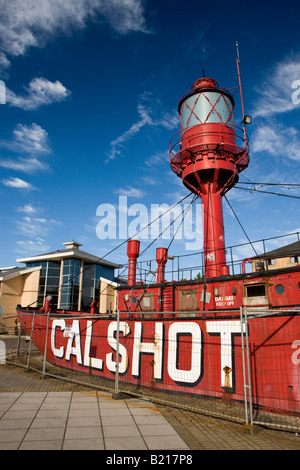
(177, 154)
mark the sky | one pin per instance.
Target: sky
(89, 103)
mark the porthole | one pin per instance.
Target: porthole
(280, 289)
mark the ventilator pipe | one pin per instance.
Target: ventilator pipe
(94, 306)
(161, 259)
(244, 262)
(48, 304)
(225, 270)
(133, 249)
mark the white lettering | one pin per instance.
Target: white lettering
(112, 341)
(74, 350)
(88, 360)
(155, 348)
(59, 353)
(180, 375)
(225, 329)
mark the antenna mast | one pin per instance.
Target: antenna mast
(241, 93)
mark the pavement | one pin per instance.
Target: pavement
(84, 420)
(53, 414)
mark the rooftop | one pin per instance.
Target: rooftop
(293, 249)
(10, 273)
(71, 251)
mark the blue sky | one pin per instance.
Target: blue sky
(92, 89)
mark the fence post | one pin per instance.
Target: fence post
(29, 348)
(19, 337)
(246, 376)
(46, 343)
(117, 395)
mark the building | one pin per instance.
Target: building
(73, 278)
(17, 286)
(284, 257)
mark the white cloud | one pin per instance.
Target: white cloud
(149, 180)
(31, 247)
(4, 65)
(32, 139)
(149, 111)
(277, 140)
(33, 226)
(17, 183)
(27, 209)
(28, 23)
(157, 159)
(27, 165)
(40, 92)
(275, 93)
(130, 192)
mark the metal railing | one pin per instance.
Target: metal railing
(190, 266)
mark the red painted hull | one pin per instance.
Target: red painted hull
(195, 356)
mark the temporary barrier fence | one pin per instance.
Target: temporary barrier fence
(244, 370)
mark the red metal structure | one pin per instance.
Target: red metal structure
(133, 249)
(209, 161)
(161, 259)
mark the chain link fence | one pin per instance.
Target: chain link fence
(243, 367)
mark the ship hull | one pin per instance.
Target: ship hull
(199, 356)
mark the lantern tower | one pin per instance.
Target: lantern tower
(206, 156)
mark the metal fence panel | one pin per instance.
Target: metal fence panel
(243, 367)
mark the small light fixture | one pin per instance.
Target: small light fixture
(247, 120)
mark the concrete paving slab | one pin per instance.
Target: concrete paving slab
(81, 412)
(83, 444)
(125, 443)
(41, 445)
(157, 430)
(50, 422)
(84, 421)
(84, 432)
(25, 406)
(45, 434)
(23, 423)
(12, 435)
(150, 419)
(117, 420)
(19, 414)
(52, 413)
(121, 431)
(144, 411)
(111, 411)
(9, 445)
(165, 443)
